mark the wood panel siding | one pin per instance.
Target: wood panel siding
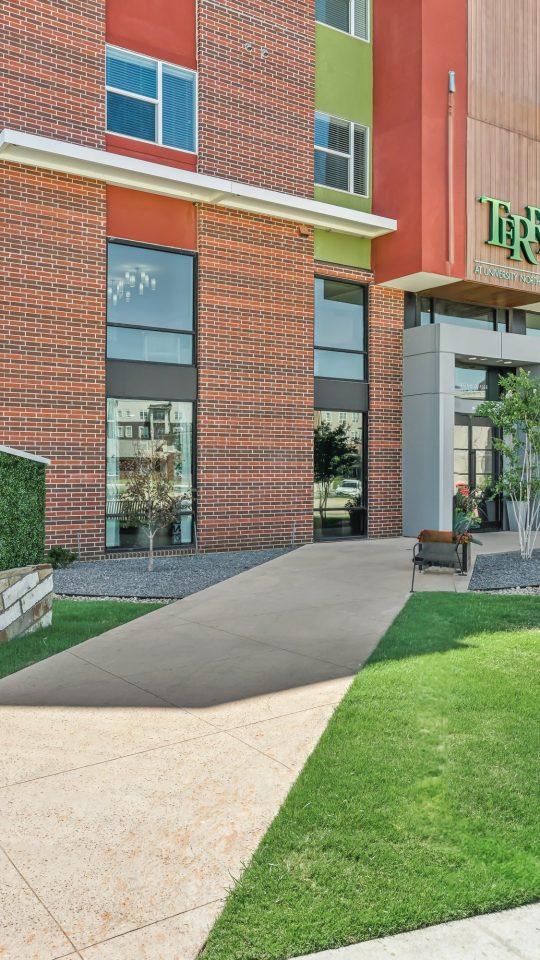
(503, 134)
(504, 64)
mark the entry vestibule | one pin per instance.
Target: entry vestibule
(433, 408)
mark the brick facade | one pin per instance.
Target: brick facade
(385, 373)
(385, 346)
(255, 359)
(52, 63)
(52, 330)
(256, 112)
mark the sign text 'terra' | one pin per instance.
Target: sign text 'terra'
(520, 235)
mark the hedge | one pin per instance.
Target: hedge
(22, 511)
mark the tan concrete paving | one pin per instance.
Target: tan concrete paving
(140, 769)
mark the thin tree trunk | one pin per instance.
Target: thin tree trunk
(150, 552)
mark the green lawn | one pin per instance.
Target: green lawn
(73, 622)
(421, 802)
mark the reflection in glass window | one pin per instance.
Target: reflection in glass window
(173, 436)
(464, 315)
(149, 293)
(533, 324)
(339, 329)
(471, 383)
(339, 508)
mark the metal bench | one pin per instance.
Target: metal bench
(442, 548)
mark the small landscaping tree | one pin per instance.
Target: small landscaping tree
(149, 496)
(334, 452)
(517, 418)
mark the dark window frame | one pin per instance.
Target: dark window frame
(194, 476)
(364, 415)
(497, 324)
(119, 241)
(360, 353)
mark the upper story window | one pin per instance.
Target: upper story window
(340, 330)
(150, 304)
(460, 314)
(533, 324)
(341, 154)
(150, 100)
(351, 16)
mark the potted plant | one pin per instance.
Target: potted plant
(356, 510)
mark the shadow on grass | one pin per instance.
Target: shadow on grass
(419, 630)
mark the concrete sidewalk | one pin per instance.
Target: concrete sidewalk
(510, 935)
(140, 769)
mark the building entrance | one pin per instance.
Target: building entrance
(477, 465)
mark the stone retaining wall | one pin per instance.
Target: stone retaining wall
(25, 600)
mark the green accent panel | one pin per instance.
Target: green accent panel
(343, 249)
(342, 199)
(344, 88)
(343, 75)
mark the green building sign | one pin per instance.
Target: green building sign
(520, 235)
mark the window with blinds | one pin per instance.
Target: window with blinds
(341, 154)
(350, 16)
(150, 100)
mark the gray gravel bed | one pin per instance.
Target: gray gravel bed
(505, 571)
(171, 578)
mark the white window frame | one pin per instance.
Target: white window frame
(350, 155)
(158, 101)
(350, 32)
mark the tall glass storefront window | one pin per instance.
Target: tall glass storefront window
(339, 508)
(137, 428)
(150, 304)
(340, 330)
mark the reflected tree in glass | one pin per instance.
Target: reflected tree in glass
(335, 453)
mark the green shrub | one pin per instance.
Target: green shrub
(22, 511)
(60, 557)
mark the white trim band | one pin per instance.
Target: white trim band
(26, 456)
(117, 170)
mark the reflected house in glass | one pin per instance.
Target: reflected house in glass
(140, 426)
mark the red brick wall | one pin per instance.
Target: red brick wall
(52, 331)
(385, 370)
(385, 414)
(256, 113)
(255, 356)
(52, 63)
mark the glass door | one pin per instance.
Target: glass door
(476, 465)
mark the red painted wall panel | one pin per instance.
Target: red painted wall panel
(165, 29)
(150, 151)
(133, 215)
(415, 46)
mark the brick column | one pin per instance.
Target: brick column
(255, 360)
(385, 333)
(257, 92)
(52, 329)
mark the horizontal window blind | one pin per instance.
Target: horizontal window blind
(150, 100)
(361, 164)
(336, 13)
(361, 19)
(178, 108)
(341, 154)
(130, 117)
(132, 73)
